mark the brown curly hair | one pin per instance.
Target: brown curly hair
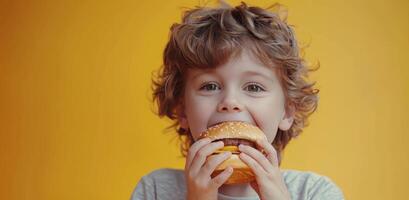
(207, 37)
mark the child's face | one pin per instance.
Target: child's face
(243, 89)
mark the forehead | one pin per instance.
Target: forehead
(242, 64)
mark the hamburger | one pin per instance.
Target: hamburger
(233, 134)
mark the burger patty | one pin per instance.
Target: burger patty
(236, 142)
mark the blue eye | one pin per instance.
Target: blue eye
(254, 88)
(209, 87)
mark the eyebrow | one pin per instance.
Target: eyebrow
(201, 73)
(252, 73)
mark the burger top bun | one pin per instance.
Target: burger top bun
(233, 129)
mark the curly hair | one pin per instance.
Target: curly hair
(207, 37)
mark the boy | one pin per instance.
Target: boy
(234, 64)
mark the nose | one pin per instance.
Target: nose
(229, 104)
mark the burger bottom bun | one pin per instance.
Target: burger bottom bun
(241, 172)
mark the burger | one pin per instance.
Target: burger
(234, 133)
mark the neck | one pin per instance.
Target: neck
(238, 190)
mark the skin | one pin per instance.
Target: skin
(243, 89)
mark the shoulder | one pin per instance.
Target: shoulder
(165, 174)
(310, 185)
(162, 183)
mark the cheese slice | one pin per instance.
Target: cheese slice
(233, 149)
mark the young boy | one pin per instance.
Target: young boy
(234, 64)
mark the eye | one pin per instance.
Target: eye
(209, 87)
(254, 87)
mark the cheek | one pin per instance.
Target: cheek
(269, 125)
(268, 116)
(198, 112)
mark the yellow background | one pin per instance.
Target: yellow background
(76, 121)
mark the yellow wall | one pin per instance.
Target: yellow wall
(75, 116)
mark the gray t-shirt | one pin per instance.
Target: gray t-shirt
(169, 184)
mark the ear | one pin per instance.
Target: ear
(287, 119)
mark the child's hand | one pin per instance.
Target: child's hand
(269, 183)
(198, 169)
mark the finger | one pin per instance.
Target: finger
(212, 162)
(257, 156)
(202, 154)
(220, 179)
(254, 166)
(193, 149)
(269, 150)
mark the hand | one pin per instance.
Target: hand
(200, 164)
(269, 183)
